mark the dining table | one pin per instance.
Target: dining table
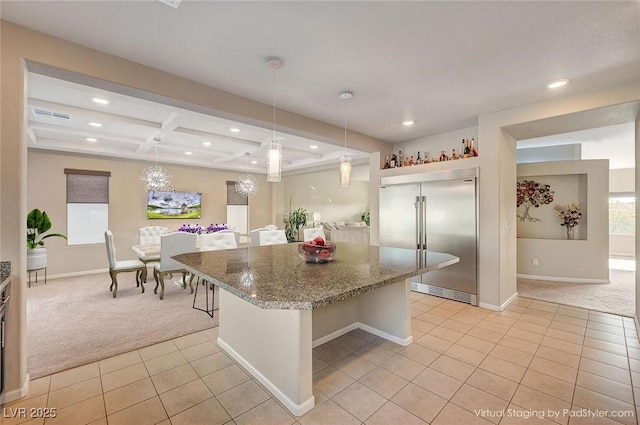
(274, 307)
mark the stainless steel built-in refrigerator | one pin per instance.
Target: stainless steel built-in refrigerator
(435, 212)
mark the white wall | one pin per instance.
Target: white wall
(550, 153)
(320, 191)
(622, 180)
(438, 142)
(560, 259)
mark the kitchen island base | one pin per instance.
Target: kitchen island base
(275, 345)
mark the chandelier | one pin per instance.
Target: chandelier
(274, 147)
(345, 160)
(156, 177)
(247, 184)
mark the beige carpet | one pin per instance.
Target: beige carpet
(617, 297)
(75, 321)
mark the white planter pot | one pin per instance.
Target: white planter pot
(36, 258)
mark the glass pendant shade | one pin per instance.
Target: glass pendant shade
(274, 161)
(345, 160)
(345, 171)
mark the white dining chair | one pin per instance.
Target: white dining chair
(116, 266)
(170, 245)
(235, 234)
(272, 237)
(218, 240)
(213, 242)
(254, 236)
(150, 235)
(310, 234)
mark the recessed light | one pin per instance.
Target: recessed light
(313, 147)
(188, 153)
(234, 130)
(95, 124)
(408, 123)
(254, 161)
(557, 83)
(91, 139)
(100, 100)
(206, 143)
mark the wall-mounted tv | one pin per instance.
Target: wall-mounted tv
(173, 204)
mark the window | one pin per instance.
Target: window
(87, 206)
(622, 214)
(237, 209)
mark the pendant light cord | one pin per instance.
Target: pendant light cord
(274, 103)
(345, 125)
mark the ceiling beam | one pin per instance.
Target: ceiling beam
(95, 115)
(82, 133)
(214, 136)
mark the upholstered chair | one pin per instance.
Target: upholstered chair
(272, 237)
(116, 266)
(171, 245)
(310, 234)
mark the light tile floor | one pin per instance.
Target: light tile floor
(536, 362)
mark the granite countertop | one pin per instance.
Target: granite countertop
(275, 277)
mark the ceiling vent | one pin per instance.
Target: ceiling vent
(50, 114)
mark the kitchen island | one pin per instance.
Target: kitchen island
(274, 307)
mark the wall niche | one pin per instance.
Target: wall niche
(567, 188)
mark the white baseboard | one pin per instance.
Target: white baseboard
(74, 274)
(402, 341)
(562, 279)
(502, 307)
(357, 325)
(9, 396)
(334, 335)
(295, 408)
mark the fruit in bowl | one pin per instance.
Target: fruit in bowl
(317, 251)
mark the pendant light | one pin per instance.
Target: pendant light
(274, 145)
(345, 160)
(156, 177)
(246, 184)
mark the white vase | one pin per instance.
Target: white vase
(36, 258)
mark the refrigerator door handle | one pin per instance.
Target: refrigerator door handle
(423, 223)
(418, 208)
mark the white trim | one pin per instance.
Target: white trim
(562, 279)
(74, 274)
(489, 306)
(357, 325)
(10, 396)
(635, 320)
(334, 335)
(296, 409)
(402, 341)
(504, 305)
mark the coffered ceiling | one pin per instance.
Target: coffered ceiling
(440, 64)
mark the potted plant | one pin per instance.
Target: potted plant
(366, 217)
(294, 221)
(38, 223)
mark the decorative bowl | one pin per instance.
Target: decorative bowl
(311, 252)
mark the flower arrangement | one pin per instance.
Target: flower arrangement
(366, 217)
(532, 194)
(569, 216)
(196, 228)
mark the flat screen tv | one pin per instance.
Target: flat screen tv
(173, 204)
